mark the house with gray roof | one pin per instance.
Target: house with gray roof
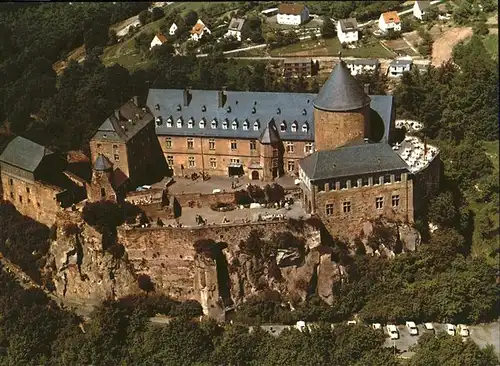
(399, 66)
(347, 30)
(362, 65)
(234, 29)
(420, 8)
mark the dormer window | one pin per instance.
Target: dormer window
(245, 125)
(214, 123)
(294, 127)
(157, 107)
(234, 125)
(158, 121)
(179, 107)
(254, 110)
(202, 123)
(305, 127)
(283, 126)
(191, 123)
(228, 109)
(204, 108)
(169, 122)
(278, 111)
(256, 126)
(179, 122)
(224, 124)
(304, 112)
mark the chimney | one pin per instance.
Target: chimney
(187, 96)
(221, 97)
(367, 89)
(366, 140)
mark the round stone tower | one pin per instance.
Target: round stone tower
(341, 110)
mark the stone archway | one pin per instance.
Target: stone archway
(255, 175)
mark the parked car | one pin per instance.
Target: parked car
(393, 331)
(429, 327)
(463, 330)
(451, 329)
(377, 326)
(412, 328)
(352, 322)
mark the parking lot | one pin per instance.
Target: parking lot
(482, 334)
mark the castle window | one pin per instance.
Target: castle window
(204, 108)
(11, 182)
(234, 125)
(305, 127)
(38, 204)
(168, 142)
(304, 112)
(98, 146)
(346, 206)
(283, 126)
(256, 126)
(308, 148)
(395, 201)
(365, 181)
(115, 146)
(117, 157)
(190, 144)
(12, 195)
(224, 124)
(245, 125)
(169, 122)
(254, 110)
(294, 127)
(234, 145)
(213, 163)
(228, 109)
(157, 107)
(214, 123)
(158, 121)
(329, 209)
(387, 178)
(235, 161)
(179, 122)
(103, 193)
(170, 160)
(289, 147)
(21, 199)
(202, 123)
(191, 162)
(253, 145)
(191, 123)
(211, 144)
(28, 190)
(397, 177)
(379, 202)
(278, 111)
(291, 165)
(179, 107)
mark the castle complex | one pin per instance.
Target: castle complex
(339, 143)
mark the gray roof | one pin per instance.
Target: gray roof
(236, 24)
(348, 25)
(246, 108)
(270, 134)
(423, 4)
(124, 123)
(341, 92)
(363, 61)
(24, 154)
(352, 160)
(102, 163)
(400, 62)
(291, 106)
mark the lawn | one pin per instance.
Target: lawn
(481, 248)
(491, 44)
(331, 47)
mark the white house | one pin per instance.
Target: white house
(292, 14)
(158, 40)
(360, 66)
(419, 8)
(199, 29)
(234, 29)
(347, 30)
(399, 66)
(389, 20)
(173, 29)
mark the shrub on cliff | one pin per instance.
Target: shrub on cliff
(105, 216)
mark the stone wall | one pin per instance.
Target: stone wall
(202, 200)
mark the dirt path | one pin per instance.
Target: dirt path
(77, 54)
(443, 44)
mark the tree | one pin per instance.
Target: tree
(328, 28)
(442, 210)
(191, 18)
(144, 17)
(431, 13)
(157, 13)
(481, 28)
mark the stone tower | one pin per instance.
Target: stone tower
(101, 186)
(341, 110)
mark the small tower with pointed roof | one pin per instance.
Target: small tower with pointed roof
(101, 185)
(341, 110)
(271, 152)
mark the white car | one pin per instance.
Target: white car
(352, 322)
(429, 327)
(463, 330)
(393, 331)
(412, 328)
(451, 329)
(377, 326)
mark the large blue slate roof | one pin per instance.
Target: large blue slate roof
(24, 154)
(292, 107)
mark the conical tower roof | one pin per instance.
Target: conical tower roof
(270, 135)
(102, 163)
(341, 92)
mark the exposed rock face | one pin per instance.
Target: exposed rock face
(389, 238)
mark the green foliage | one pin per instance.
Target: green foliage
(252, 28)
(328, 29)
(425, 47)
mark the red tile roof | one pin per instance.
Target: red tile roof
(161, 37)
(293, 9)
(391, 17)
